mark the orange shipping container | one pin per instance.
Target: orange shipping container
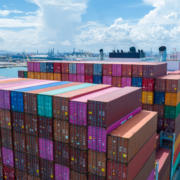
(31, 75)
(57, 76)
(37, 75)
(147, 97)
(172, 99)
(43, 76)
(50, 76)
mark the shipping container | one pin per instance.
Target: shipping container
(107, 80)
(88, 79)
(64, 68)
(6, 138)
(129, 171)
(46, 149)
(31, 124)
(5, 119)
(47, 169)
(136, 82)
(160, 125)
(30, 177)
(43, 75)
(95, 177)
(116, 81)
(73, 77)
(88, 69)
(160, 83)
(80, 68)
(61, 131)
(20, 161)
(61, 153)
(32, 145)
(147, 107)
(45, 126)
(33, 165)
(97, 163)
(147, 97)
(159, 98)
(30, 66)
(65, 77)
(81, 78)
(43, 67)
(77, 176)
(57, 77)
(126, 70)
(1, 158)
(97, 79)
(49, 67)
(126, 81)
(116, 70)
(160, 110)
(37, 75)
(62, 172)
(107, 69)
(17, 103)
(8, 156)
(172, 99)
(1, 171)
(9, 173)
(97, 69)
(171, 112)
(18, 122)
(134, 133)
(25, 74)
(72, 68)
(173, 83)
(57, 67)
(148, 84)
(79, 160)
(37, 67)
(21, 74)
(31, 75)
(50, 76)
(19, 141)
(100, 108)
(78, 137)
(137, 70)
(157, 141)
(20, 175)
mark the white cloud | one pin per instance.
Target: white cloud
(66, 43)
(4, 6)
(7, 12)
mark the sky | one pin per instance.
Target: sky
(89, 25)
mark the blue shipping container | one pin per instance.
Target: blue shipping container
(97, 79)
(17, 101)
(159, 98)
(97, 69)
(72, 68)
(136, 82)
(49, 67)
(42, 66)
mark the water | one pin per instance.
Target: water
(11, 72)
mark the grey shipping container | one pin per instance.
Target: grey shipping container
(42, 66)
(97, 69)
(72, 68)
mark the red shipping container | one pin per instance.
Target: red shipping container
(30, 177)
(1, 171)
(160, 125)
(30, 103)
(116, 81)
(171, 125)
(160, 83)
(94, 177)
(47, 169)
(107, 69)
(5, 119)
(157, 141)
(57, 67)
(19, 141)
(32, 145)
(61, 151)
(148, 84)
(20, 74)
(18, 121)
(33, 165)
(79, 160)
(8, 173)
(126, 70)
(31, 124)
(147, 107)
(117, 170)
(160, 109)
(20, 161)
(88, 69)
(81, 78)
(137, 70)
(6, 137)
(88, 79)
(64, 68)
(65, 77)
(20, 175)
(45, 126)
(77, 176)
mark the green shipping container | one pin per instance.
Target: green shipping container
(25, 74)
(171, 112)
(44, 100)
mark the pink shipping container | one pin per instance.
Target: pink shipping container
(73, 77)
(46, 149)
(151, 176)
(81, 78)
(107, 80)
(62, 172)
(30, 66)
(78, 107)
(80, 68)
(36, 66)
(126, 81)
(116, 70)
(8, 158)
(97, 136)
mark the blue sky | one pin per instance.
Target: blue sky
(88, 24)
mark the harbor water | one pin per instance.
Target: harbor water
(11, 72)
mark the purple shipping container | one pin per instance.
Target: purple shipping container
(107, 80)
(126, 81)
(7, 155)
(62, 172)
(73, 77)
(116, 70)
(36, 66)
(30, 66)
(78, 107)
(80, 68)
(81, 78)
(46, 149)
(5, 100)
(151, 176)
(97, 136)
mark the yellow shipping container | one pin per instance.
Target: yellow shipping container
(43, 75)
(37, 75)
(172, 99)
(57, 76)
(31, 75)
(147, 97)
(50, 76)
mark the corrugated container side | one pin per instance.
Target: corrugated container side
(73, 77)
(57, 76)
(21, 74)
(159, 98)
(20, 175)
(50, 76)
(65, 68)
(160, 84)
(43, 67)
(81, 78)
(88, 79)
(30, 75)
(30, 66)
(1, 171)
(1, 158)
(157, 141)
(5, 119)
(9, 173)
(171, 125)
(65, 77)
(116, 70)
(137, 70)
(30, 177)
(30, 103)
(95, 177)
(97, 69)
(159, 109)
(116, 81)
(107, 80)
(62, 172)
(31, 124)
(148, 84)
(37, 75)
(8, 158)
(78, 176)
(57, 67)
(88, 69)
(173, 84)
(72, 68)
(47, 169)
(19, 141)
(136, 82)
(5, 100)
(97, 79)
(172, 99)
(147, 107)
(171, 112)
(49, 67)
(32, 145)
(20, 161)
(6, 137)
(147, 97)
(36, 66)
(80, 68)
(160, 125)
(43, 75)
(17, 101)
(25, 74)
(107, 70)
(126, 70)
(18, 121)
(126, 81)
